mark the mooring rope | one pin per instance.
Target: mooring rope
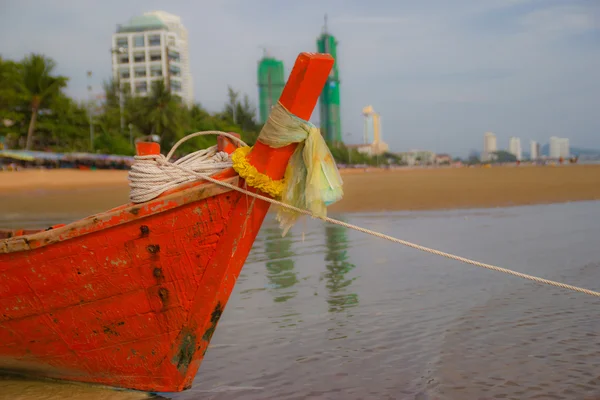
(152, 175)
(165, 165)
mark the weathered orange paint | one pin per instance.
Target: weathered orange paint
(131, 297)
(147, 148)
(226, 144)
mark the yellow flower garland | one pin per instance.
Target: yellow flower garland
(254, 178)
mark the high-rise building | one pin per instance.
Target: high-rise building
(152, 47)
(271, 80)
(372, 128)
(489, 146)
(514, 147)
(534, 150)
(329, 101)
(554, 151)
(565, 150)
(559, 147)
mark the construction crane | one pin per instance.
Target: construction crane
(265, 51)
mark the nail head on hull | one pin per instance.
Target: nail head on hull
(144, 230)
(153, 248)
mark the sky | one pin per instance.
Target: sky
(440, 72)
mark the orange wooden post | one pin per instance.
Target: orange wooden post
(147, 148)
(299, 97)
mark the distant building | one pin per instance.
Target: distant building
(565, 149)
(271, 80)
(442, 159)
(372, 149)
(373, 125)
(329, 101)
(361, 148)
(152, 47)
(554, 150)
(418, 157)
(514, 147)
(559, 147)
(534, 150)
(489, 147)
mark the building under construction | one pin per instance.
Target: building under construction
(271, 80)
(329, 102)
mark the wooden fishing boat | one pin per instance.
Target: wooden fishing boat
(131, 297)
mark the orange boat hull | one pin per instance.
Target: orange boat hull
(131, 297)
(115, 306)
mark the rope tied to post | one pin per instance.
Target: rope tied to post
(396, 240)
(311, 180)
(316, 174)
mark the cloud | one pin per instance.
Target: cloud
(440, 73)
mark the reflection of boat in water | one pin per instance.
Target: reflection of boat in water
(280, 267)
(337, 267)
(131, 297)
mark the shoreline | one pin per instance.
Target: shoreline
(47, 192)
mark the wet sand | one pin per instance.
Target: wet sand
(61, 191)
(20, 388)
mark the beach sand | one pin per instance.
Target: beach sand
(476, 187)
(74, 191)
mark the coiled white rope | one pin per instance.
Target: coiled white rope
(164, 162)
(152, 175)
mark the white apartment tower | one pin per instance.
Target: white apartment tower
(559, 147)
(489, 146)
(565, 149)
(514, 147)
(534, 150)
(150, 47)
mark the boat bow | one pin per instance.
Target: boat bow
(131, 297)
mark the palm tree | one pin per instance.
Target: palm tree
(9, 97)
(111, 92)
(38, 86)
(7, 83)
(162, 112)
(243, 113)
(231, 108)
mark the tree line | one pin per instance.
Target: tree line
(37, 114)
